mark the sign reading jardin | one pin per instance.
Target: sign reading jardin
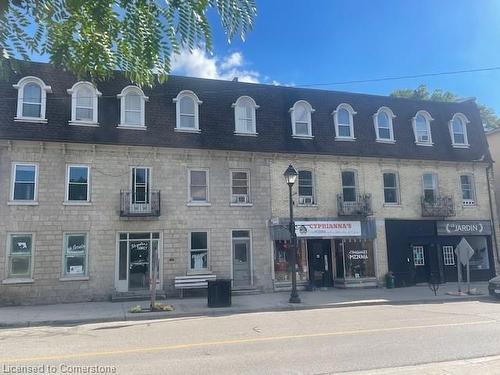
(328, 228)
(463, 228)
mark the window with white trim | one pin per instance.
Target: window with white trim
(430, 188)
(467, 188)
(78, 183)
(301, 119)
(24, 182)
(75, 255)
(187, 111)
(306, 188)
(244, 115)
(458, 130)
(391, 188)
(349, 190)
(343, 121)
(422, 128)
(132, 107)
(383, 124)
(198, 251)
(198, 186)
(20, 256)
(31, 99)
(418, 256)
(448, 256)
(84, 103)
(240, 189)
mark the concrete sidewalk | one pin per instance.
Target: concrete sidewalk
(91, 312)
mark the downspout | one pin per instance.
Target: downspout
(488, 169)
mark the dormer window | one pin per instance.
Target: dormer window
(301, 119)
(458, 131)
(31, 99)
(383, 125)
(187, 112)
(244, 116)
(132, 108)
(422, 128)
(84, 104)
(343, 120)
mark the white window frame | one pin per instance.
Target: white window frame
(468, 202)
(132, 90)
(207, 181)
(351, 112)
(448, 255)
(197, 102)
(418, 249)
(310, 110)
(66, 196)
(190, 249)
(85, 275)
(33, 201)
(19, 280)
(397, 187)
(435, 184)
(73, 91)
(356, 185)
(303, 198)
(464, 120)
(248, 201)
(428, 118)
(20, 100)
(235, 105)
(390, 116)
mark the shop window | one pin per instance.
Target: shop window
(282, 268)
(198, 186)
(480, 260)
(349, 186)
(20, 256)
(306, 193)
(418, 256)
(75, 254)
(240, 187)
(77, 183)
(198, 251)
(448, 256)
(354, 259)
(391, 194)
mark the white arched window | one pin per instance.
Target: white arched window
(458, 130)
(422, 128)
(382, 120)
(31, 99)
(344, 123)
(132, 108)
(187, 118)
(301, 119)
(84, 104)
(244, 116)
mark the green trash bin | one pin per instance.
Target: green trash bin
(390, 281)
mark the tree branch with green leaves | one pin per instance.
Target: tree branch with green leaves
(94, 38)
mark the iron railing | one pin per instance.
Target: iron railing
(438, 206)
(361, 207)
(132, 207)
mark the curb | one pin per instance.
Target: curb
(133, 317)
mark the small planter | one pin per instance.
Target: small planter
(158, 307)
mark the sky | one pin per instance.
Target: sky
(304, 42)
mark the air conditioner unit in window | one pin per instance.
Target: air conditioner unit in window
(305, 200)
(240, 198)
(468, 202)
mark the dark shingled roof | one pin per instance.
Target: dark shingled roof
(217, 119)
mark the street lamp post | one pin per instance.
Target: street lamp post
(290, 178)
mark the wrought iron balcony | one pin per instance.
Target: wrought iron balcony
(361, 207)
(438, 207)
(138, 205)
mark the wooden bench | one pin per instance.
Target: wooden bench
(192, 282)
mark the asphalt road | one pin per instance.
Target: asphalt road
(295, 342)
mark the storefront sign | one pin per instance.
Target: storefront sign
(357, 254)
(463, 228)
(139, 245)
(328, 228)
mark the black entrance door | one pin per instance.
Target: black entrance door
(426, 262)
(320, 263)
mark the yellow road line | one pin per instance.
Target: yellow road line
(233, 342)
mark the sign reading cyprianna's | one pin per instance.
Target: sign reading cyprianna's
(328, 228)
(464, 228)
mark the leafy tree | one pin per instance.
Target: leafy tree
(92, 38)
(488, 115)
